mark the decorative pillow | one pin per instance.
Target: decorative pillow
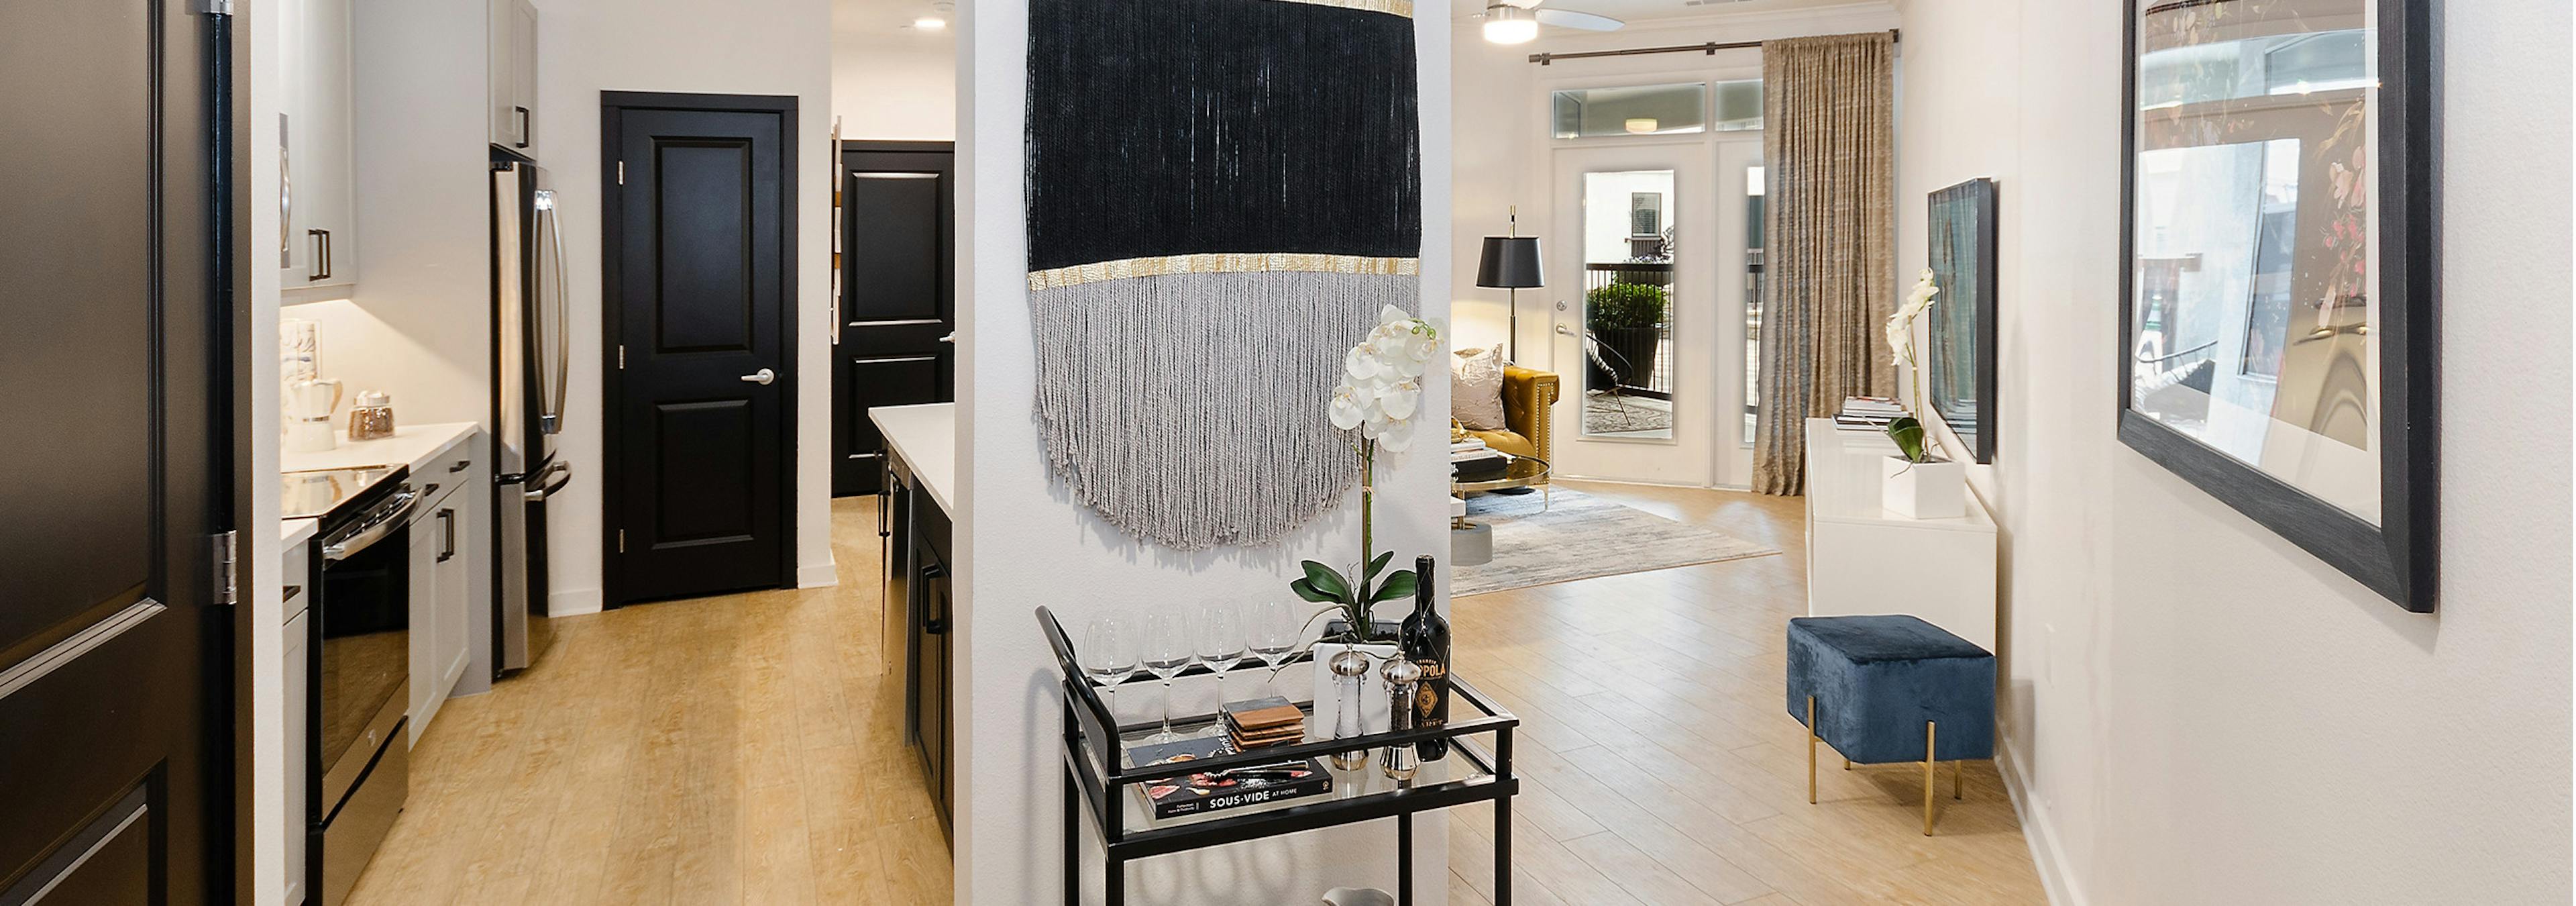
(1476, 388)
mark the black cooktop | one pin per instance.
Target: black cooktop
(316, 494)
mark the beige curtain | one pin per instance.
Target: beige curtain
(1827, 140)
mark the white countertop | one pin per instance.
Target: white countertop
(411, 445)
(291, 532)
(925, 436)
(1843, 481)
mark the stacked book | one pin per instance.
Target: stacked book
(1263, 722)
(1471, 460)
(1188, 792)
(1868, 412)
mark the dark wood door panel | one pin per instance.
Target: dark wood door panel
(115, 741)
(700, 285)
(879, 381)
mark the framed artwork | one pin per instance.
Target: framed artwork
(1961, 367)
(2278, 283)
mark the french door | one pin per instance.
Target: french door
(1650, 265)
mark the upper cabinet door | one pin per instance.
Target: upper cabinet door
(513, 74)
(321, 240)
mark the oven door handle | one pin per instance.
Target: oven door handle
(386, 520)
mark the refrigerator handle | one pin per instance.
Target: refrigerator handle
(552, 224)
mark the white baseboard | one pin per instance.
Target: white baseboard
(818, 575)
(574, 602)
(2045, 852)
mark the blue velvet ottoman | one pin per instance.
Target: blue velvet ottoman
(1882, 689)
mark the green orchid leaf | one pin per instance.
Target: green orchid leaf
(1325, 580)
(1308, 591)
(1400, 584)
(1377, 565)
(1908, 435)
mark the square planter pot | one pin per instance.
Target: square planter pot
(1924, 490)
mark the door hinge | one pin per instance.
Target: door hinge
(621, 172)
(621, 356)
(211, 7)
(228, 568)
(621, 541)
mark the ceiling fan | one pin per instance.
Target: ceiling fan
(1517, 21)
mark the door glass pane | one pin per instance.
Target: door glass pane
(1638, 110)
(1627, 300)
(1752, 298)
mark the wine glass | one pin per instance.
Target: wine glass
(1220, 642)
(1273, 633)
(1109, 655)
(1167, 653)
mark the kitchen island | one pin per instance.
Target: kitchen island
(913, 503)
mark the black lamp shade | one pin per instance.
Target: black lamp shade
(1509, 262)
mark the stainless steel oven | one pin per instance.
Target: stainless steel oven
(360, 625)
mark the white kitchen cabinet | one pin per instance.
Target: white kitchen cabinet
(512, 60)
(444, 598)
(318, 243)
(298, 694)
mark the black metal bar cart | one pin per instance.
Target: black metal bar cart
(1095, 771)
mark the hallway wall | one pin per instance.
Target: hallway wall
(2197, 710)
(1024, 543)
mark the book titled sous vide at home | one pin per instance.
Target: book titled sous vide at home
(1196, 793)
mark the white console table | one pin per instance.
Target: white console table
(1862, 559)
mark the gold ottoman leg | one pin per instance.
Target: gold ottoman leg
(1929, 730)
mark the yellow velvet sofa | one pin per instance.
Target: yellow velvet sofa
(1528, 394)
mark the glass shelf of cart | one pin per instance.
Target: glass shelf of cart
(1370, 779)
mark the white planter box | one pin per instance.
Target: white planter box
(1924, 490)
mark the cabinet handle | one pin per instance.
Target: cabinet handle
(321, 253)
(285, 198)
(524, 124)
(461, 465)
(447, 520)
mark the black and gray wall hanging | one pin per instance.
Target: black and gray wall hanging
(1222, 194)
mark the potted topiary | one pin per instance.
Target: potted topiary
(1628, 319)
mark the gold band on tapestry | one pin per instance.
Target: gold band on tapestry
(1390, 7)
(1222, 263)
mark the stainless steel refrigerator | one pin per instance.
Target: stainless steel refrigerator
(529, 364)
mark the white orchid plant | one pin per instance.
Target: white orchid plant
(1379, 397)
(1907, 430)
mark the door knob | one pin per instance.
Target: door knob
(763, 377)
(950, 338)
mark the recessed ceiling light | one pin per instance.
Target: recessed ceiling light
(930, 23)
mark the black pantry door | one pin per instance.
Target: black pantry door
(898, 295)
(699, 252)
(115, 665)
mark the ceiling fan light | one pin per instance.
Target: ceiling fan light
(1507, 24)
(1642, 125)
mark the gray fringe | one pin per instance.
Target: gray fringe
(1193, 409)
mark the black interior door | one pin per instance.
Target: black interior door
(114, 650)
(898, 295)
(699, 253)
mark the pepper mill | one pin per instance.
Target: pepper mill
(1401, 675)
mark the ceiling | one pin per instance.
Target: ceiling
(891, 20)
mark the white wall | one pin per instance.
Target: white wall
(2263, 729)
(895, 89)
(769, 47)
(1025, 544)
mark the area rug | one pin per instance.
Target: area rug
(1580, 536)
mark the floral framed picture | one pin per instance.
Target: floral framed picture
(2278, 295)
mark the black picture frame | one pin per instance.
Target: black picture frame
(2399, 557)
(1971, 421)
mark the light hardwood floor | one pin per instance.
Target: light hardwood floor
(746, 749)
(741, 749)
(1660, 764)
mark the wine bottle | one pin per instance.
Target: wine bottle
(1425, 636)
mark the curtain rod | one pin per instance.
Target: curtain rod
(1710, 48)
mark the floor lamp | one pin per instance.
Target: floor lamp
(1510, 262)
